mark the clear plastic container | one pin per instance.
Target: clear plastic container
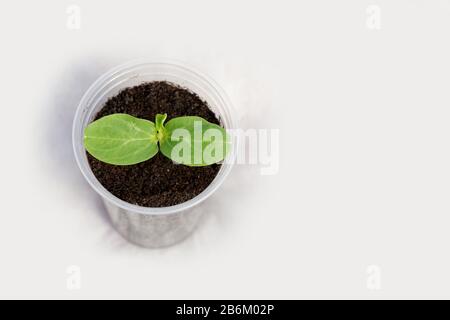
(145, 226)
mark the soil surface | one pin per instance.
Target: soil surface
(157, 182)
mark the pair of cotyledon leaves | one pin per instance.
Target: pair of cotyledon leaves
(122, 139)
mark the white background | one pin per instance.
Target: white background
(364, 153)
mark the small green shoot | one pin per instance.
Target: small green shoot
(122, 139)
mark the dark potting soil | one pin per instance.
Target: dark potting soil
(157, 182)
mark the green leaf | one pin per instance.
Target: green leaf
(193, 141)
(121, 139)
(159, 121)
(159, 124)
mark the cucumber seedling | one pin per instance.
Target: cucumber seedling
(122, 139)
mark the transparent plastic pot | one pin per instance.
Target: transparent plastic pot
(145, 226)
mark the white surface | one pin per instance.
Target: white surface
(364, 156)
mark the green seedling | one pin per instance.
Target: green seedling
(122, 139)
